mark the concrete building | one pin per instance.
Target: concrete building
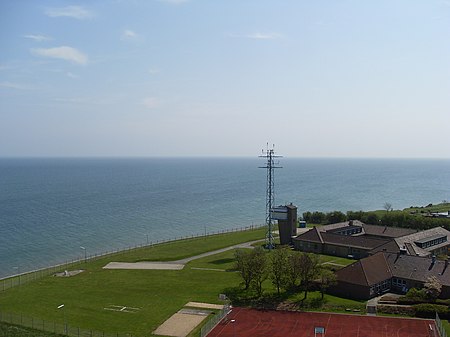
(287, 222)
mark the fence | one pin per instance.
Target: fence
(57, 328)
(206, 329)
(17, 280)
(440, 327)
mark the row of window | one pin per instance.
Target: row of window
(398, 282)
(380, 287)
(349, 231)
(395, 282)
(431, 243)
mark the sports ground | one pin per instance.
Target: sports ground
(243, 322)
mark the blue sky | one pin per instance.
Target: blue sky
(337, 78)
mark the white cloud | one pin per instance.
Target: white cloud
(154, 71)
(71, 75)
(261, 36)
(150, 102)
(63, 53)
(76, 12)
(11, 85)
(128, 34)
(258, 36)
(37, 38)
(174, 2)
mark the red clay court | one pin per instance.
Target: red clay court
(269, 323)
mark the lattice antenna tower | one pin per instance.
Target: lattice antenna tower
(270, 156)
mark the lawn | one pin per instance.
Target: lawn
(157, 293)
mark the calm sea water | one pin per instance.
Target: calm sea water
(51, 207)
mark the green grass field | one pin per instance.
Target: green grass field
(157, 293)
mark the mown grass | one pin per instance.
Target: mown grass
(158, 293)
(10, 330)
(442, 207)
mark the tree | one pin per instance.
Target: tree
(432, 287)
(258, 267)
(309, 268)
(279, 267)
(294, 260)
(327, 278)
(387, 206)
(243, 265)
(335, 217)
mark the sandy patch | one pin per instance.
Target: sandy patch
(204, 305)
(179, 324)
(144, 265)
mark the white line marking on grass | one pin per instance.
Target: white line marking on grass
(121, 308)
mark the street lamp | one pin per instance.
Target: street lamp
(85, 256)
(64, 317)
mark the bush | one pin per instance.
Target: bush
(443, 302)
(396, 310)
(427, 310)
(411, 301)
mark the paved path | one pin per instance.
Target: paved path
(173, 265)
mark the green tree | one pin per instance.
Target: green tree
(335, 217)
(309, 268)
(279, 267)
(294, 260)
(243, 266)
(327, 278)
(258, 267)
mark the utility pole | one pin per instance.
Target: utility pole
(270, 156)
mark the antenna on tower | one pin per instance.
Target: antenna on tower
(269, 154)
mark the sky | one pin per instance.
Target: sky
(317, 78)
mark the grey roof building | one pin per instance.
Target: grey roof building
(358, 240)
(383, 272)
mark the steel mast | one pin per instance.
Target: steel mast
(269, 154)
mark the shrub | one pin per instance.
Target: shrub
(427, 310)
(396, 310)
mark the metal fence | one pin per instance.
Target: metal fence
(17, 280)
(58, 328)
(440, 327)
(206, 329)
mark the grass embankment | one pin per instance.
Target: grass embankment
(157, 293)
(442, 207)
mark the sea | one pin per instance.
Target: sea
(50, 208)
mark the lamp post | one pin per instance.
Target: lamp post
(85, 256)
(64, 317)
